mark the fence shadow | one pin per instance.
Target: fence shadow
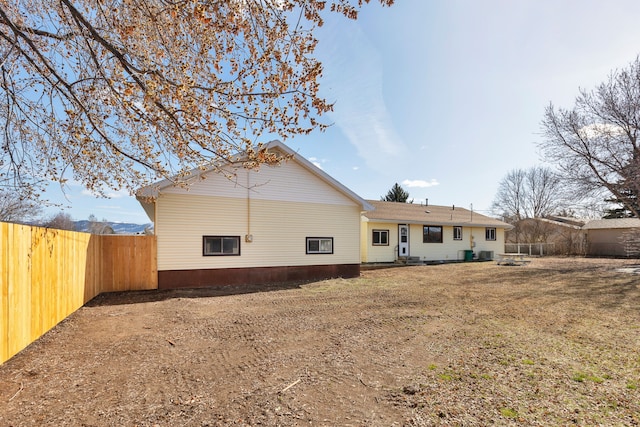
(137, 297)
(608, 290)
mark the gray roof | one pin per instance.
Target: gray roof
(599, 224)
(413, 213)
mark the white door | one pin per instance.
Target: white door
(403, 240)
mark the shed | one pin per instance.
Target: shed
(608, 237)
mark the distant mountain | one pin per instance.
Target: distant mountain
(118, 227)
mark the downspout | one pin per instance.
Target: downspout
(248, 238)
(155, 216)
(471, 228)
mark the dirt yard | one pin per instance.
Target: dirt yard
(556, 342)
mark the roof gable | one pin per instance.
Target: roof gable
(284, 182)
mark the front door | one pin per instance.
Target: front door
(403, 240)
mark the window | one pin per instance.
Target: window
(220, 245)
(380, 238)
(432, 234)
(457, 233)
(490, 233)
(319, 245)
(404, 233)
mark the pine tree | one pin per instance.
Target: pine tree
(396, 194)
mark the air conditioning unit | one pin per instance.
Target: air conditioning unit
(486, 255)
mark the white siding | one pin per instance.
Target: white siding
(381, 253)
(289, 182)
(364, 243)
(278, 228)
(448, 250)
(497, 246)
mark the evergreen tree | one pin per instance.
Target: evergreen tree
(628, 203)
(396, 194)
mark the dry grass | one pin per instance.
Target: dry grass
(552, 343)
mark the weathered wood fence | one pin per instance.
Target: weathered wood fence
(47, 274)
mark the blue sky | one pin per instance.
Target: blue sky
(444, 97)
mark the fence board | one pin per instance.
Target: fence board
(38, 284)
(92, 268)
(128, 263)
(19, 296)
(4, 291)
(46, 274)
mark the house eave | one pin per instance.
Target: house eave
(443, 223)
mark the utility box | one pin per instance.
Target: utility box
(486, 255)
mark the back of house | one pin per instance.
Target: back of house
(411, 231)
(286, 223)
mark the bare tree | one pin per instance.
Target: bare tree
(532, 193)
(61, 221)
(14, 208)
(510, 198)
(116, 93)
(545, 192)
(595, 144)
(99, 227)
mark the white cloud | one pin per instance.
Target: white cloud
(600, 129)
(355, 168)
(353, 78)
(418, 183)
(316, 162)
(109, 194)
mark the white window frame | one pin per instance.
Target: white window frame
(233, 239)
(490, 234)
(457, 232)
(324, 245)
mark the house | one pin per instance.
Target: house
(287, 223)
(552, 235)
(613, 237)
(411, 231)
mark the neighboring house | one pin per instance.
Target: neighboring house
(612, 237)
(553, 235)
(395, 231)
(287, 223)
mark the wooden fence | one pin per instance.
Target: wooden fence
(47, 274)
